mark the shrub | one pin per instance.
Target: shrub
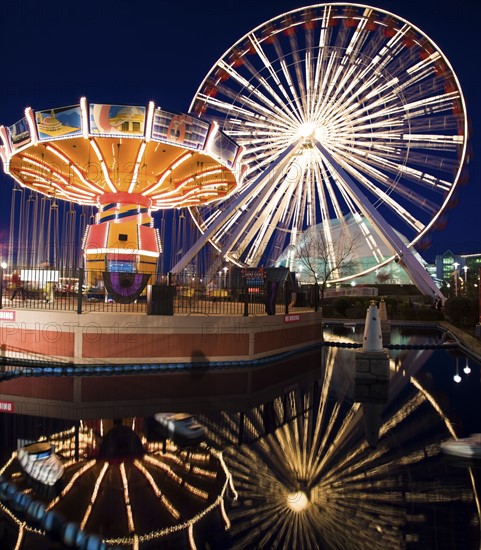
(461, 311)
(340, 306)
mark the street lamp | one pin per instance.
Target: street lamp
(225, 270)
(2, 267)
(465, 269)
(456, 265)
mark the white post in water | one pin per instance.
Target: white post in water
(371, 384)
(372, 340)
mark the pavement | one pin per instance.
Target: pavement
(467, 340)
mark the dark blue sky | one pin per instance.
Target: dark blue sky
(52, 53)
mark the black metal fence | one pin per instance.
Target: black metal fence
(84, 291)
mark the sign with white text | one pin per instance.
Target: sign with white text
(293, 318)
(7, 315)
(7, 407)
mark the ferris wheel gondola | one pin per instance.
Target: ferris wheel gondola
(351, 118)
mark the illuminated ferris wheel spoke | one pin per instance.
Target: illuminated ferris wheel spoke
(253, 222)
(395, 206)
(277, 106)
(267, 229)
(250, 200)
(279, 101)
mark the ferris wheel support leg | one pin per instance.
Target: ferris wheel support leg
(257, 188)
(402, 254)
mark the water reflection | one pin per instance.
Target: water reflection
(306, 477)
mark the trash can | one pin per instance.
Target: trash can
(160, 300)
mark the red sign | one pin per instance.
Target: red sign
(294, 318)
(7, 315)
(7, 407)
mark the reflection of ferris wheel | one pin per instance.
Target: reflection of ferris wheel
(348, 114)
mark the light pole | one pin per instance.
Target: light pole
(3, 266)
(456, 265)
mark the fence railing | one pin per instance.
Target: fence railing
(86, 290)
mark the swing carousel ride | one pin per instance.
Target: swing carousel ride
(126, 160)
(352, 120)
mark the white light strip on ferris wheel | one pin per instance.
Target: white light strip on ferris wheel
(355, 39)
(311, 196)
(223, 106)
(268, 112)
(454, 139)
(268, 217)
(255, 42)
(297, 189)
(383, 87)
(417, 175)
(423, 63)
(244, 83)
(292, 112)
(287, 75)
(96, 148)
(135, 175)
(386, 198)
(278, 207)
(279, 110)
(321, 185)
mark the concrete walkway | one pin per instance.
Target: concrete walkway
(466, 340)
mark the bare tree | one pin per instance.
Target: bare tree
(326, 257)
(383, 277)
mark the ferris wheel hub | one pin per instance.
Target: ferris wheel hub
(307, 130)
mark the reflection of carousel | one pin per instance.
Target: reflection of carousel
(121, 493)
(128, 161)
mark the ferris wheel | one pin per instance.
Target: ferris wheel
(350, 117)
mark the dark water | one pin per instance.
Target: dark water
(365, 460)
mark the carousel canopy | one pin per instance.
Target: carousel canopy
(82, 152)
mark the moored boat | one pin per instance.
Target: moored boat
(467, 447)
(40, 462)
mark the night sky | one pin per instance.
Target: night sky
(53, 53)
